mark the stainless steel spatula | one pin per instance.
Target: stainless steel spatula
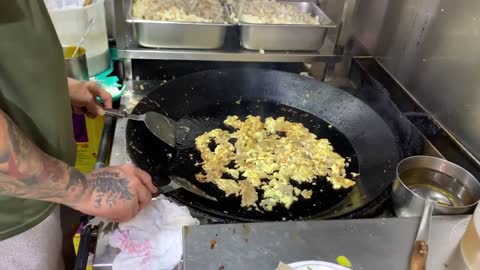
(160, 125)
(178, 182)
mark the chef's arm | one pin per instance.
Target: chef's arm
(27, 172)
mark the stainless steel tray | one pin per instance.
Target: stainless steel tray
(179, 35)
(301, 37)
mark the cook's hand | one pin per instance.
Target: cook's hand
(117, 193)
(83, 96)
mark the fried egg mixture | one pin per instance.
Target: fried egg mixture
(267, 156)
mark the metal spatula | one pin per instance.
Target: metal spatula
(165, 129)
(178, 182)
(160, 125)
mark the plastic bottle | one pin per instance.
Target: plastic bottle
(470, 243)
(88, 132)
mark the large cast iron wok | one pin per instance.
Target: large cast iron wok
(356, 131)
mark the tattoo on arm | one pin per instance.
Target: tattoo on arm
(21, 146)
(109, 188)
(27, 172)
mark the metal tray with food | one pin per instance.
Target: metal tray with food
(282, 36)
(163, 31)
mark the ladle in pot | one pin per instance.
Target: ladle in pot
(418, 259)
(427, 185)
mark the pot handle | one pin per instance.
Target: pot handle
(418, 260)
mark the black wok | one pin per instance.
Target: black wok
(353, 128)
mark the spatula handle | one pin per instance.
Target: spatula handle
(119, 114)
(115, 113)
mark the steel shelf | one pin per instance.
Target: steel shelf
(223, 55)
(128, 47)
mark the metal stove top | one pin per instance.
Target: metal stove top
(367, 79)
(149, 75)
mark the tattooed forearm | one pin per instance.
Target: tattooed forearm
(109, 187)
(27, 172)
(77, 184)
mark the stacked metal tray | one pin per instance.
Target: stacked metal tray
(191, 35)
(179, 35)
(301, 37)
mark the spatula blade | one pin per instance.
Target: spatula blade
(183, 183)
(161, 126)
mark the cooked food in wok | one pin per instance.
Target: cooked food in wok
(268, 156)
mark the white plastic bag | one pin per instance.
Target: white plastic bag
(153, 239)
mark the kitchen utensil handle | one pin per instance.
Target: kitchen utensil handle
(183, 183)
(175, 183)
(105, 143)
(424, 228)
(178, 182)
(123, 114)
(418, 260)
(115, 113)
(168, 188)
(81, 260)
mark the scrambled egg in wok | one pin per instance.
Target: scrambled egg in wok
(267, 156)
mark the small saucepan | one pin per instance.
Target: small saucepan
(453, 189)
(427, 185)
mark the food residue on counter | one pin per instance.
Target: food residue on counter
(344, 261)
(213, 244)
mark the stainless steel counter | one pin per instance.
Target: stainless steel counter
(370, 244)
